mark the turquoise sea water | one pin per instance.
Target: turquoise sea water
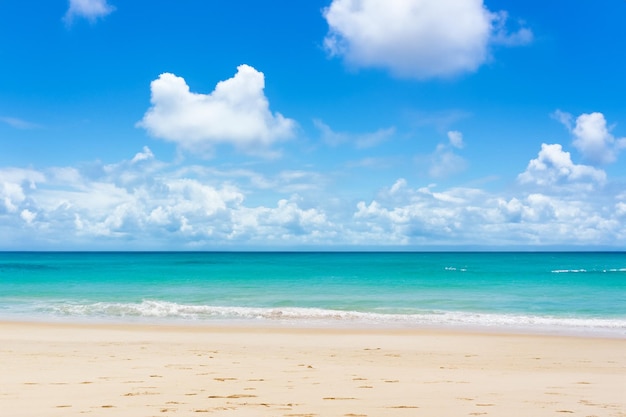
(542, 292)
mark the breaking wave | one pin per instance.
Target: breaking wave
(151, 310)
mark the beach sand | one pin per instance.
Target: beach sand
(135, 370)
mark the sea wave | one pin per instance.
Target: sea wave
(581, 271)
(151, 310)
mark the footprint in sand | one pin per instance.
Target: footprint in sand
(233, 396)
(403, 406)
(339, 398)
(300, 415)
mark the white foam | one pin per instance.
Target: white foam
(151, 309)
(580, 271)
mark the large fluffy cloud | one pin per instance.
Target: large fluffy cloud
(88, 9)
(417, 38)
(236, 112)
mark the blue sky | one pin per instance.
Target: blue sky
(334, 124)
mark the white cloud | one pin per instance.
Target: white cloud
(157, 205)
(150, 204)
(236, 112)
(417, 38)
(398, 186)
(553, 166)
(28, 216)
(281, 223)
(592, 137)
(566, 119)
(444, 161)
(14, 183)
(88, 9)
(456, 139)
(466, 216)
(360, 140)
(11, 194)
(142, 156)
(501, 35)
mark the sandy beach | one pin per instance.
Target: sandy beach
(133, 370)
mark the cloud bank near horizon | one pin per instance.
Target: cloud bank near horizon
(146, 203)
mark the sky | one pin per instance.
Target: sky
(312, 125)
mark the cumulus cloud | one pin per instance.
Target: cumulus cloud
(553, 166)
(150, 204)
(470, 216)
(417, 38)
(91, 10)
(592, 137)
(282, 223)
(360, 140)
(14, 184)
(145, 200)
(28, 216)
(236, 112)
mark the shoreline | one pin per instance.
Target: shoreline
(65, 369)
(229, 326)
(321, 325)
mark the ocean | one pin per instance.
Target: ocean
(561, 293)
